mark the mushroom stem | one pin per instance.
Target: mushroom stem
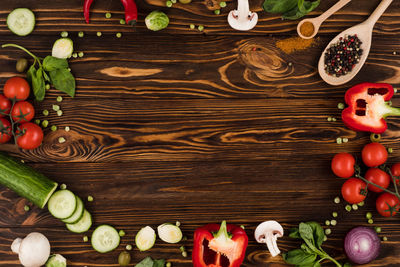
(268, 232)
(243, 9)
(242, 19)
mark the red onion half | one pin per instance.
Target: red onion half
(362, 245)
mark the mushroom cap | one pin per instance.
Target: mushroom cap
(242, 23)
(272, 228)
(34, 250)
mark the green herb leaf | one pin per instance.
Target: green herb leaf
(63, 80)
(159, 263)
(146, 262)
(299, 257)
(317, 264)
(35, 77)
(52, 63)
(347, 264)
(279, 6)
(46, 76)
(306, 232)
(294, 233)
(318, 233)
(303, 8)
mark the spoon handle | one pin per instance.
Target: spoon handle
(378, 12)
(332, 10)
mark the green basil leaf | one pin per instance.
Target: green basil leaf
(146, 262)
(159, 263)
(306, 6)
(299, 257)
(318, 233)
(46, 76)
(279, 6)
(306, 232)
(347, 264)
(52, 63)
(63, 80)
(317, 264)
(305, 248)
(35, 77)
(294, 233)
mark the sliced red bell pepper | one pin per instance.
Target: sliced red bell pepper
(219, 246)
(131, 13)
(368, 107)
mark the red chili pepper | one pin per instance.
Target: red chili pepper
(368, 107)
(219, 246)
(131, 13)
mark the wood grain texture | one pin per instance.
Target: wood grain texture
(195, 127)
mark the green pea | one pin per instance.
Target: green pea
(99, 34)
(390, 150)
(26, 208)
(340, 106)
(339, 140)
(333, 222)
(182, 248)
(329, 119)
(124, 258)
(185, 1)
(81, 54)
(56, 107)
(121, 233)
(355, 207)
(328, 231)
(128, 247)
(85, 239)
(345, 140)
(222, 4)
(81, 34)
(178, 223)
(217, 11)
(192, 26)
(333, 119)
(67, 129)
(45, 123)
(168, 264)
(64, 34)
(184, 254)
(63, 186)
(325, 238)
(59, 99)
(61, 140)
(90, 198)
(327, 222)
(168, 4)
(173, 1)
(362, 203)
(21, 65)
(384, 238)
(47, 86)
(370, 221)
(334, 214)
(200, 28)
(45, 112)
(108, 15)
(348, 207)
(59, 112)
(122, 22)
(378, 229)
(337, 200)
(53, 128)
(119, 35)
(74, 55)
(368, 215)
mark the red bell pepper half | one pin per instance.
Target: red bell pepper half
(131, 13)
(368, 107)
(219, 245)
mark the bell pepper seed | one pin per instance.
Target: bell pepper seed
(53, 128)
(168, 4)
(217, 11)
(121, 233)
(200, 28)
(222, 4)
(370, 221)
(108, 15)
(328, 231)
(348, 207)
(98, 34)
(340, 106)
(90, 198)
(61, 140)
(333, 222)
(355, 207)
(368, 215)
(334, 214)
(26, 208)
(45, 112)
(122, 22)
(59, 99)
(337, 200)
(85, 239)
(64, 34)
(81, 54)
(45, 123)
(128, 247)
(119, 35)
(81, 34)
(63, 186)
(59, 112)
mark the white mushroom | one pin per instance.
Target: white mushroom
(33, 250)
(242, 19)
(268, 232)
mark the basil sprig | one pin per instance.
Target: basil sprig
(149, 262)
(310, 253)
(52, 70)
(290, 9)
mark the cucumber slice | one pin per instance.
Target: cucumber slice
(169, 233)
(21, 21)
(63, 48)
(78, 213)
(56, 260)
(82, 225)
(105, 238)
(145, 238)
(62, 204)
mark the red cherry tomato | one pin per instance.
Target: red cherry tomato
(395, 170)
(5, 131)
(343, 165)
(351, 190)
(387, 204)
(22, 111)
(32, 138)
(378, 177)
(374, 154)
(18, 88)
(5, 106)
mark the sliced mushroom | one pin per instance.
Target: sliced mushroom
(242, 19)
(268, 232)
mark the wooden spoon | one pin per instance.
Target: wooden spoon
(317, 21)
(364, 33)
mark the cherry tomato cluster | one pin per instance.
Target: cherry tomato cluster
(376, 179)
(15, 110)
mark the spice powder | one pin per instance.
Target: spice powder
(307, 29)
(293, 44)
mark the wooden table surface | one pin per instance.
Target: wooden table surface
(180, 125)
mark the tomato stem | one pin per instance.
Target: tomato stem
(380, 187)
